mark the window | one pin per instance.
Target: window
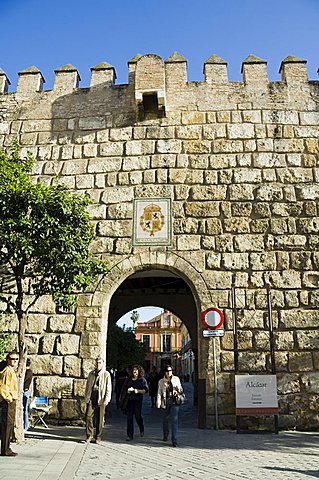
(166, 342)
(166, 319)
(146, 342)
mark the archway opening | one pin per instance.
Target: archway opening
(171, 293)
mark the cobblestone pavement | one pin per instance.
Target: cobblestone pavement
(60, 453)
(201, 454)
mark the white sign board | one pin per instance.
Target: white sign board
(214, 333)
(256, 394)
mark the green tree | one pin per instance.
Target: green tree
(123, 348)
(45, 236)
(134, 317)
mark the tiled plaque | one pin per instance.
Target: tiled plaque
(152, 223)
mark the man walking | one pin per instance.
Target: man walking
(97, 395)
(8, 398)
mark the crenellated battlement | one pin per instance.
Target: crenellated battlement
(147, 70)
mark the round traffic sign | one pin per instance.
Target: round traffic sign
(212, 318)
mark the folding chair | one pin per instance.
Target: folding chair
(40, 408)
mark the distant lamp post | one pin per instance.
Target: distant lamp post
(134, 317)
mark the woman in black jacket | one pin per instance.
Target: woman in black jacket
(136, 387)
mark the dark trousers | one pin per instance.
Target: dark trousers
(8, 412)
(134, 408)
(94, 417)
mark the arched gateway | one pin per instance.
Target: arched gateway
(164, 280)
(200, 185)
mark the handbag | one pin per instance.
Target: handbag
(179, 398)
(124, 398)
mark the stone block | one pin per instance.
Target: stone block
(202, 209)
(188, 242)
(70, 409)
(300, 362)
(284, 341)
(310, 382)
(111, 149)
(54, 386)
(114, 228)
(47, 365)
(169, 146)
(136, 163)
(79, 387)
(47, 343)
(67, 344)
(236, 225)
(252, 362)
(197, 146)
(72, 366)
(299, 319)
(235, 261)
(117, 195)
(218, 280)
(92, 123)
(307, 339)
(249, 243)
(140, 147)
(102, 165)
(61, 323)
(32, 344)
(241, 130)
(213, 226)
(190, 132)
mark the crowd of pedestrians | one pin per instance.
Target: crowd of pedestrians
(130, 386)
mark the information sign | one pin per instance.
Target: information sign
(256, 395)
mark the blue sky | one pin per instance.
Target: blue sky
(49, 34)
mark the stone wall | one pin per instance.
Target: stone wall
(239, 161)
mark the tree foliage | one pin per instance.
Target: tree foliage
(123, 348)
(45, 233)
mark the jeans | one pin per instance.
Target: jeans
(171, 416)
(134, 407)
(26, 396)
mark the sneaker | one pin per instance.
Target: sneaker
(88, 439)
(174, 444)
(98, 441)
(129, 439)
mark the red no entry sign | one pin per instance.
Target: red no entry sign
(213, 318)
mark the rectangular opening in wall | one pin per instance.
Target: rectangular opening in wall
(150, 108)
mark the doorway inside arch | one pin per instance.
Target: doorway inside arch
(168, 292)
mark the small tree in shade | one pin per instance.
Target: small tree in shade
(45, 236)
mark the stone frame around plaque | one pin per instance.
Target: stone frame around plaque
(152, 221)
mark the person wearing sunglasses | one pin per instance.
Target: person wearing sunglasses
(168, 388)
(8, 400)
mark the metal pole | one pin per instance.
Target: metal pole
(272, 349)
(215, 384)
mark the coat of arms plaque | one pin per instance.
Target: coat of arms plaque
(152, 221)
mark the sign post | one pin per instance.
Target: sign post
(213, 320)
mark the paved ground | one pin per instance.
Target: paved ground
(60, 454)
